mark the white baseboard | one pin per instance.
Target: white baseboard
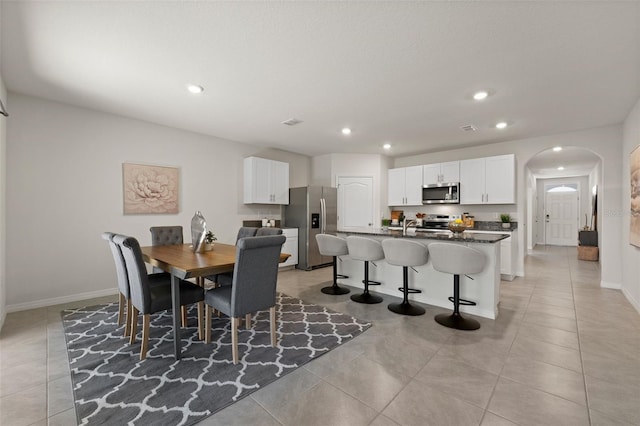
(614, 286)
(60, 300)
(631, 300)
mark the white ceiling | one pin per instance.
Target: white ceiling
(398, 72)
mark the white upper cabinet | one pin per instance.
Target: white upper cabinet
(405, 186)
(265, 181)
(437, 173)
(490, 180)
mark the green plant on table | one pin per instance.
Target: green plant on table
(210, 237)
(505, 218)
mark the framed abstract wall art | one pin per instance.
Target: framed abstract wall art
(149, 189)
(634, 219)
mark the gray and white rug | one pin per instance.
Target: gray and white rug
(112, 386)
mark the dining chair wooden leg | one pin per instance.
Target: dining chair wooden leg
(134, 325)
(127, 326)
(145, 336)
(183, 309)
(234, 339)
(207, 324)
(122, 301)
(200, 321)
(272, 323)
(127, 319)
(247, 321)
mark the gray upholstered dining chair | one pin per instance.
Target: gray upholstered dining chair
(123, 283)
(148, 298)
(168, 236)
(226, 277)
(165, 236)
(268, 231)
(253, 287)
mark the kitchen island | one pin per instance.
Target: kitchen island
(436, 286)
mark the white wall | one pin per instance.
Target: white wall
(64, 188)
(605, 141)
(630, 254)
(3, 184)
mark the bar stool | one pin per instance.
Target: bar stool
(405, 253)
(330, 245)
(368, 250)
(457, 259)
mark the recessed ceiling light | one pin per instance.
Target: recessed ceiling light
(346, 131)
(501, 125)
(557, 149)
(194, 88)
(387, 146)
(560, 168)
(479, 96)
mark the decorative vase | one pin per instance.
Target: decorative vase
(198, 231)
(506, 225)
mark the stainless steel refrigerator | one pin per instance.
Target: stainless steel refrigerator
(313, 210)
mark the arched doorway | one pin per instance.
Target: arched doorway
(561, 194)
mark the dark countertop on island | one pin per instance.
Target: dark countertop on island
(466, 236)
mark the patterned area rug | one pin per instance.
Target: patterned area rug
(112, 386)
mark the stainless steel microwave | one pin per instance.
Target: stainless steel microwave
(442, 193)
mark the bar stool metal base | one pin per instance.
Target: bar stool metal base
(367, 298)
(405, 308)
(457, 321)
(335, 290)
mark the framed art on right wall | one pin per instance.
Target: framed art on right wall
(634, 218)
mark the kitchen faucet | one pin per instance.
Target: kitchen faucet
(406, 224)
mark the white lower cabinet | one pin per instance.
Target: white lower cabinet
(508, 253)
(290, 246)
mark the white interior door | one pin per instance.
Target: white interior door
(355, 202)
(561, 218)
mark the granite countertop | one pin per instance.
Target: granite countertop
(466, 236)
(494, 226)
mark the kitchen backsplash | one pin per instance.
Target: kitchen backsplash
(480, 213)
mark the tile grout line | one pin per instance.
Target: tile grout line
(584, 377)
(499, 375)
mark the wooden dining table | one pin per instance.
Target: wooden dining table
(182, 263)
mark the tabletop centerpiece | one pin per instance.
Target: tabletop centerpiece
(506, 220)
(209, 238)
(457, 226)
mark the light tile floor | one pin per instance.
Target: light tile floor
(562, 352)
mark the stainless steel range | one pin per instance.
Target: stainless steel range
(435, 222)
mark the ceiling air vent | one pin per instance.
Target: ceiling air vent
(469, 128)
(291, 122)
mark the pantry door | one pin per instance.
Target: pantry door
(355, 202)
